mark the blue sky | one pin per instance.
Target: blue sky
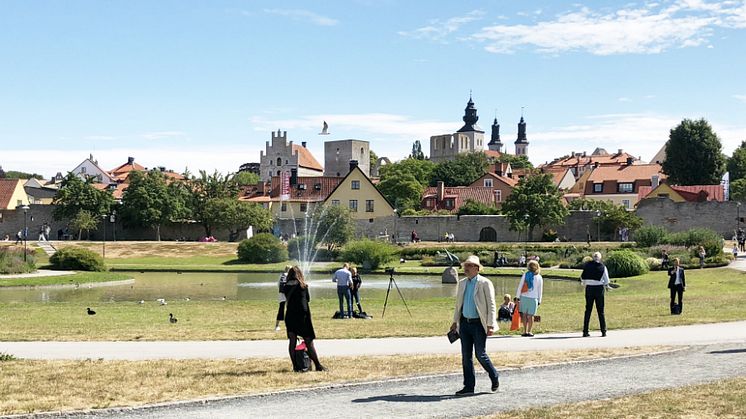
(202, 84)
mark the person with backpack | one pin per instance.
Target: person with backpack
(677, 285)
(298, 321)
(529, 292)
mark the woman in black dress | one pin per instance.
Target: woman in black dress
(298, 315)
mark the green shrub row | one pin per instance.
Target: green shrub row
(712, 242)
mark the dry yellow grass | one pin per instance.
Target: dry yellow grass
(37, 386)
(722, 399)
(156, 249)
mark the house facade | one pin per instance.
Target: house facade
(281, 155)
(356, 192)
(621, 185)
(12, 194)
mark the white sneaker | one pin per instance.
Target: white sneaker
(277, 329)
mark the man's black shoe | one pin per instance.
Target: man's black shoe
(464, 391)
(495, 385)
(586, 334)
(603, 334)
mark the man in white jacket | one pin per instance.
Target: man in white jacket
(474, 318)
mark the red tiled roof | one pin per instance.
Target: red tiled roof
(115, 192)
(626, 173)
(125, 168)
(691, 193)
(311, 193)
(504, 179)
(461, 194)
(492, 153)
(7, 188)
(306, 159)
(603, 160)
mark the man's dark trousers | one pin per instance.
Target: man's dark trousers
(594, 294)
(473, 337)
(677, 289)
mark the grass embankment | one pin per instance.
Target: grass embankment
(722, 399)
(640, 302)
(35, 386)
(77, 278)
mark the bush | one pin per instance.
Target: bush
(549, 235)
(624, 263)
(77, 259)
(11, 261)
(368, 253)
(709, 239)
(653, 263)
(262, 248)
(650, 235)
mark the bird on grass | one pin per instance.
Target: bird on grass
(161, 301)
(187, 299)
(90, 312)
(141, 302)
(172, 319)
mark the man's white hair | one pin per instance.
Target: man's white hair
(597, 256)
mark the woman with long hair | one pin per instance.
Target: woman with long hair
(298, 316)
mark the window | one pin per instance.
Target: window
(353, 205)
(625, 203)
(663, 196)
(286, 161)
(82, 169)
(488, 183)
(355, 184)
(498, 196)
(368, 205)
(598, 187)
(279, 161)
(284, 207)
(448, 203)
(625, 187)
(335, 202)
(303, 207)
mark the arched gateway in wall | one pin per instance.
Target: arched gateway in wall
(488, 234)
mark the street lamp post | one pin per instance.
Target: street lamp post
(525, 242)
(598, 225)
(396, 232)
(738, 216)
(103, 244)
(25, 209)
(113, 220)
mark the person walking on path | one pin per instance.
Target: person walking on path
(677, 285)
(281, 297)
(343, 278)
(530, 290)
(357, 282)
(701, 254)
(298, 317)
(474, 319)
(595, 277)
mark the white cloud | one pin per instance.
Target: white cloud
(646, 29)
(742, 98)
(438, 30)
(303, 15)
(160, 135)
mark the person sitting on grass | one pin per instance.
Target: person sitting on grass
(505, 312)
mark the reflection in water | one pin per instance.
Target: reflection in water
(254, 286)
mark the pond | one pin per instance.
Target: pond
(149, 286)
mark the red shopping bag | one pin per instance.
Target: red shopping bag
(516, 323)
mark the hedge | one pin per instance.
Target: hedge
(262, 248)
(77, 259)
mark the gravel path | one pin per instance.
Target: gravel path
(433, 396)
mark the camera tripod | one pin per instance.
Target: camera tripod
(393, 281)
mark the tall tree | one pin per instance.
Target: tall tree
(535, 201)
(75, 195)
(149, 202)
(737, 163)
(334, 227)
(84, 221)
(516, 162)
(610, 215)
(694, 154)
(422, 170)
(738, 190)
(246, 178)
(404, 191)
(461, 171)
(471, 207)
(373, 159)
(417, 153)
(207, 187)
(236, 216)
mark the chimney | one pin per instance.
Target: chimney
(630, 160)
(353, 164)
(303, 144)
(654, 181)
(130, 160)
(620, 151)
(293, 176)
(498, 169)
(584, 154)
(441, 191)
(162, 168)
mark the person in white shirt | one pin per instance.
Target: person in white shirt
(595, 277)
(529, 292)
(677, 285)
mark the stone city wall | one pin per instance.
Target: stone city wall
(682, 216)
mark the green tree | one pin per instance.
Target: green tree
(610, 215)
(535, 201)
(246, 178)
(461, 171)
(694, 154)
(417, 153)
(236, 216)
(149, 202)
(75, 195)
(738, 190)
(373, 159)
(207, 187)
(516, 162)
(737, 163)
(84, 221)
(403, 191)
(334, 227)
(471, 207)
(13, 174)
(422, 170)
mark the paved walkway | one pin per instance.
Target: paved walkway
(38, 274)
(701, 334)
(433, 396)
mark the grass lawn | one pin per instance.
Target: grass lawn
(639, 302)
(36, 386)
(76, 278)
(722, 399)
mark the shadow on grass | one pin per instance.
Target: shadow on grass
(241, 373)
(728, 351)
(234, 262)
(409, 398)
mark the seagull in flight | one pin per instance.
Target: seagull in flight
(325, 129)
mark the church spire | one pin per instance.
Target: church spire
(521, 143)
(470, 118)
(495, 144)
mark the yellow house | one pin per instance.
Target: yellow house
(356, 192)
(12, 194)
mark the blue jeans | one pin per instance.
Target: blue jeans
(474, 336)
(344, 293)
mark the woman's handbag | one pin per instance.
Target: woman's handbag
(301, 361)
